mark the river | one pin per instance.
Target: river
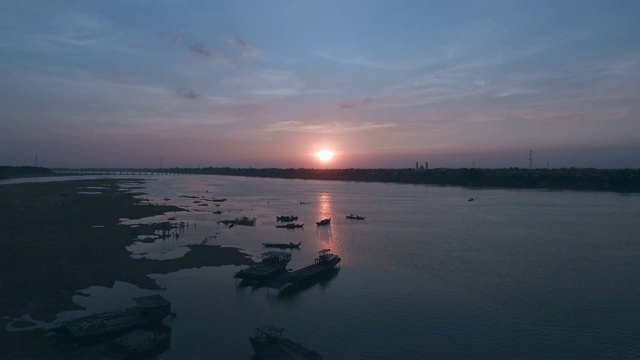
(427, 274)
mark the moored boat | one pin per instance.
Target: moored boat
(241, 221)
(325, 262)
(283, 245)
(355, 217)
(286, 218)
(324, 222)
(149, 310)
(290, 226)
(268, 343)
(272, 263)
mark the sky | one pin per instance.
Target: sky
(380, 84)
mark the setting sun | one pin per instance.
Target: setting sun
(325, 155)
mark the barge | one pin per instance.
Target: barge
(290, 226)
(325, 262)
(149, 310)
(290, 245)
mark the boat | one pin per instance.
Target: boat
(272, 262)
(283, 245)
(325, 262)
(286, 218)
(290, 226)
(149, 310)
(323, 222)
(355, 217)
(268, 343)
(241, 221)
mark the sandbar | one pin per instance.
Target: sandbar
(58, 238)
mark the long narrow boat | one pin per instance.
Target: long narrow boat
(286, 218)
(239, 221)
(355, 217)
(149, 310)
(324, 222)
(272, 263)
(283, 245)
(324, 263)
(290, 226)
(268, 343)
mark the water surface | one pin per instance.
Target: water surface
(428, 274)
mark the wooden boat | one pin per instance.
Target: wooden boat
(286, 218)
(290, 226)
(149, 310)
(325, 262)
(283, 245)
(355, 217)
(272, 263)
(242, 221)
(268, 343)
(324, 222)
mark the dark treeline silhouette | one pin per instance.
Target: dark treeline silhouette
(621, 180)
(9, 172)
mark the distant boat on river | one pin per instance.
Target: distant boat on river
(355, 217)
(286, 218)
(323, 222)
(283, 245)
(242, 221)
(290, 226)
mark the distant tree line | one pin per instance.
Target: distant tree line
(9, 172)
(621, 180)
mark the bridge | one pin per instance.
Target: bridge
(121, 171)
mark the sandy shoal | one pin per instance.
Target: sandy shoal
(50, 249)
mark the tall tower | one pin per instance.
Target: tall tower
(530, 159)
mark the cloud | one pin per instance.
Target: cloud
(241, 44)
(188, 93)
(327, 128)
(366, 62)
(200, 49)
(243, 52)
(356, 103)
(268, 83)
(176, 40)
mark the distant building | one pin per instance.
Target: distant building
(422, 167)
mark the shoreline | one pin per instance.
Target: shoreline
(51, 249)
